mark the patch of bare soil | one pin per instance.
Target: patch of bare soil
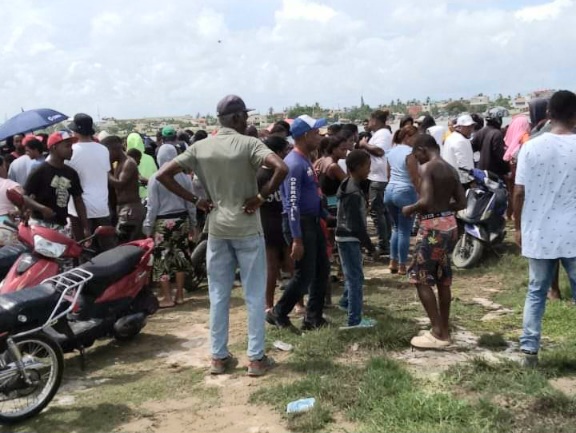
(464, 348)
(179, 338)
(231, 414)
(566, 385)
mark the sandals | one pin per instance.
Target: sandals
(299, 310)
(163, 305)
(428, 341)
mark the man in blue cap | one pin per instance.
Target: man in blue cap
(302, 203)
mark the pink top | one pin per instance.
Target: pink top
(5, 204)
(519, 127)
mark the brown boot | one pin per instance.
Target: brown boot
(402, 270)
(393, 267)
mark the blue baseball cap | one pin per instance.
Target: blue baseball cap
(303, 124)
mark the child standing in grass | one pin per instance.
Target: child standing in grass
(351, 236)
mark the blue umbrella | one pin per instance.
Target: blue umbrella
(30, 120)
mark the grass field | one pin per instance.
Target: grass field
(363, 380)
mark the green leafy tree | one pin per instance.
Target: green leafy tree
(456, 107)
(502, 102)
(299, 110)
(480, 108)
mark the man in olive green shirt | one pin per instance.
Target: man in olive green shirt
(226, 164)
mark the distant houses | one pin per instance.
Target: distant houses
(477, 103)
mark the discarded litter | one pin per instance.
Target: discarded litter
(280, 345)
(302, 405)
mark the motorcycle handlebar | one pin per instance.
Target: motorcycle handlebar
(11, 225)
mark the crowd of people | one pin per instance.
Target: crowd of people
(294, 199)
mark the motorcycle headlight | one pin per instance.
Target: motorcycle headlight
(48, 248)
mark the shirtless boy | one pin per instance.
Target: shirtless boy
(124, 179)
(441, 195)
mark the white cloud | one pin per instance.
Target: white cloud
(544, 12)
(305, 10)
(180, 57)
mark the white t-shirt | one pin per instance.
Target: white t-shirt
(547, 169)
(342, 163)
(92, 162)
(437, 131)
(379, 167)
(20, 169)
(457, 151)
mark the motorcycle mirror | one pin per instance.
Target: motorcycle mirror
(105, 231)
(15, 197)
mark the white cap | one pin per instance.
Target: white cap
(465, 120)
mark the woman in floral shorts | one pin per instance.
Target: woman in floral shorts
(170, 220)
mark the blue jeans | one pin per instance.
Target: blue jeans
(222, 258)
(395, 198)
(351, 259)
(541, 275)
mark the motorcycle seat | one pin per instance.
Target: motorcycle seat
(110, 266)
(28, 307)
(8, 255)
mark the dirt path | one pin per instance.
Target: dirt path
(177, 340)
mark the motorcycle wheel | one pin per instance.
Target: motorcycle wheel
(198, 272)
(467, 252)
(123, 338)
(19, 400)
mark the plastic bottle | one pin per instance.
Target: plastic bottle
(302, 405)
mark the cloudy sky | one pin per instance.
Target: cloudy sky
(137, 58)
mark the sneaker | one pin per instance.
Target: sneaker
(260, 367)
(273, 319)
(312, 326)
(529, 359)
(220, 366)
(364, 323)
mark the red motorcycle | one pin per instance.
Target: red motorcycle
(116, 301)
(43, 252)
(105, 297)
(48, 253)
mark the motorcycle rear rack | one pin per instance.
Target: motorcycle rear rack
(68, 282)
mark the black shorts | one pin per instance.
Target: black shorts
(273, 234)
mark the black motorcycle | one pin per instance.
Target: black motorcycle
(31, 362)
(483, 220)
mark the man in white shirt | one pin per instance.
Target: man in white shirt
(21, 166)
(544, 213)
(92, 162)
(457, 150)
(379, 144)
